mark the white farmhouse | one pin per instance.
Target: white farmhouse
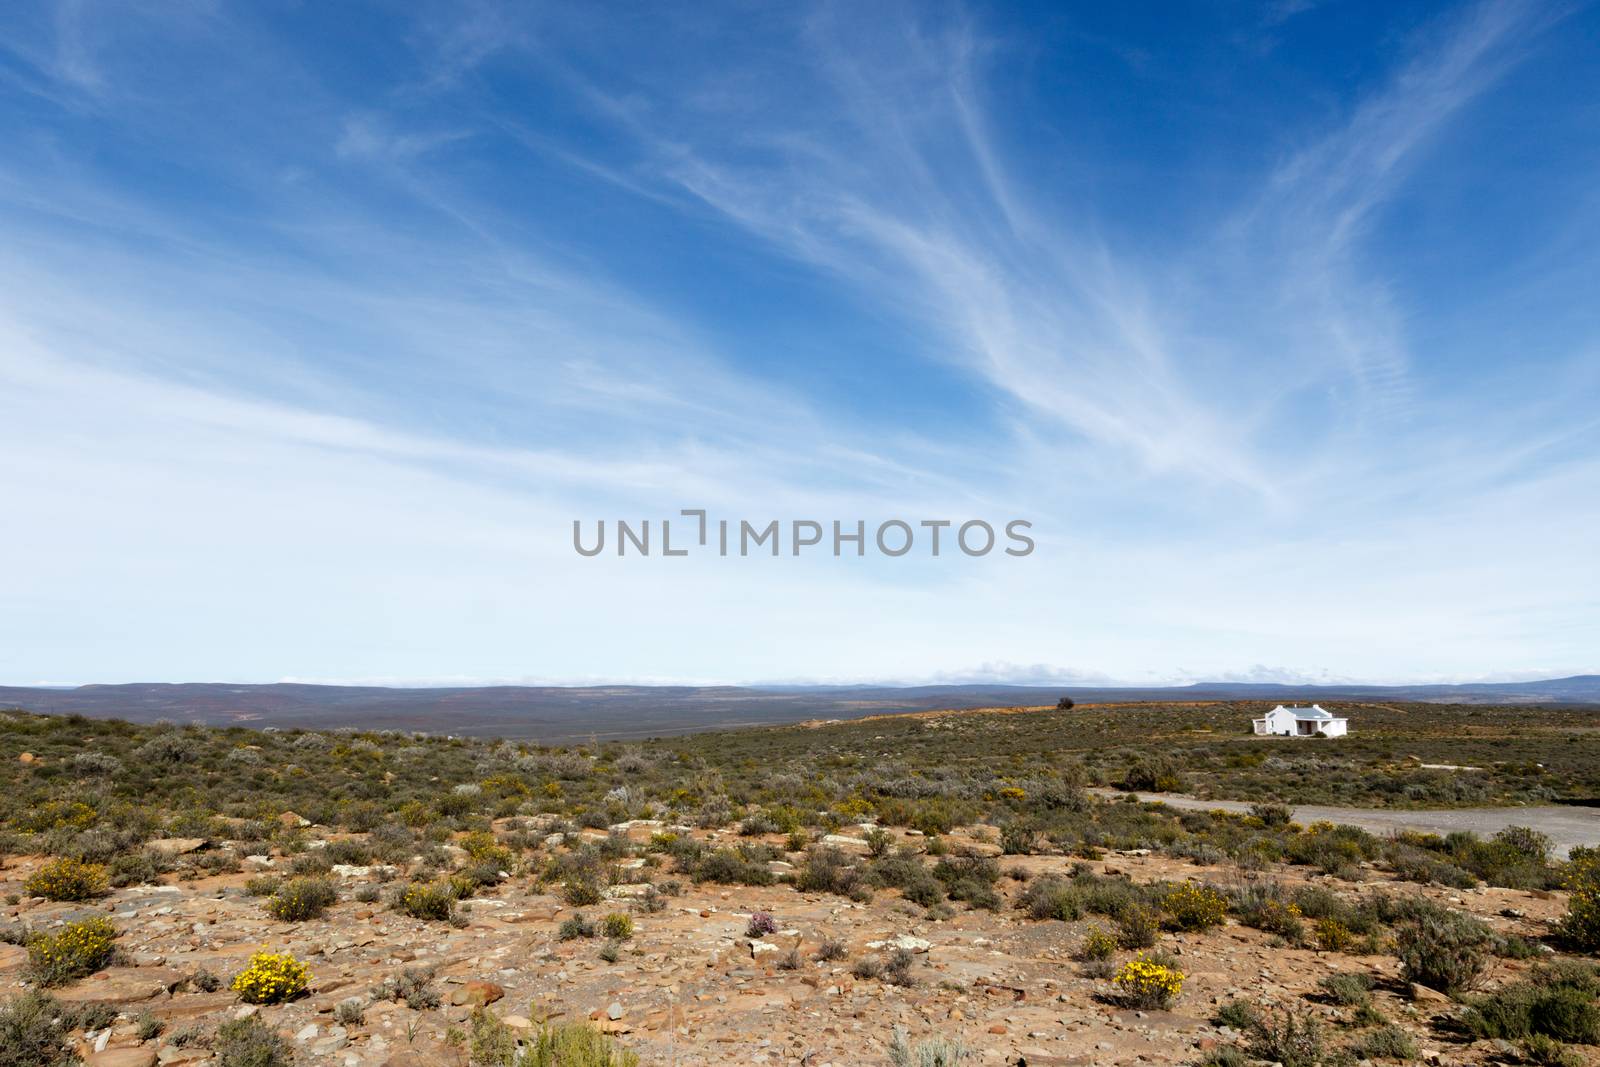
(1302, 722)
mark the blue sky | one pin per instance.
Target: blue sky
(320, 323)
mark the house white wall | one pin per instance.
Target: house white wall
(1287, 722)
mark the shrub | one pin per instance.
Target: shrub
(574, 1045)
(423, 901)
(301, 899)
(1546, 1052)
(827, 870)
(1052, 897)
(1272, 814)
(1580, 927)
(249, 1042)
(581, 892)
(1019, 839)
(67, 879)
(611, 951)
(1561, 1012)
(414, 985)
(1287, 1037)
(271, 978)
(78, 949)
(760, 925)
(1524, 843)
(831, 949)
(1390, 1042)
(897, 968)
(1239, 1015)
(728, 866)
(1143, 983)
(1333, 935)
(935, 1051)
(262, 885)
(1136, 927)
(1097, 945)
(617, 926)
(1154, 773)
(1445, 951)
(1350, 989)
(1191, 906)
(143, 867)
(574, 927)
(33, 1034)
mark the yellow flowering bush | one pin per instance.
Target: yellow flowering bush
(1333, 935)
(77, 950)
(1580, 928)
(422, 901)
(271, 978)
(1192, 906)
(67, 879)
(1143, 983)
(1098, 944)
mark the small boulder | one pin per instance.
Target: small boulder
(1423, 995)
(476, 994)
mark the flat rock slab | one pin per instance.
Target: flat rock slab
(122, 1057)
(122, 985)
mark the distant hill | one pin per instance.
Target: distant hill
(556, 713)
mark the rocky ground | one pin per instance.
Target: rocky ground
(690, 987)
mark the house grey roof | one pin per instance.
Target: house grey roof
(1313, 712)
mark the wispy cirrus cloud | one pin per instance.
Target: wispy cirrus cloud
(361, 368)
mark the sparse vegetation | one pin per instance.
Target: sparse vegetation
(447, 825)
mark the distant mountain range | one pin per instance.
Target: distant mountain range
(556, 713)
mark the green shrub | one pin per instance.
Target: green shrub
(936, 1051)
(1390, 1042)
(1446, 951)
(1052, 897)
(1136, 927)
(1287, 1037)
(414, 985)
(250, 1043)
(424, 901)
(1239, 1015)
(1561, 1012)
(1272, 814)
(574, 927)
(827, 870)
(32, 1033)
(262, 885)
(1350, 989)
(574, 1045)
(617, 926)
(1158, 773)
(302, 898)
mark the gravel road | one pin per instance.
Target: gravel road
(1568, 827)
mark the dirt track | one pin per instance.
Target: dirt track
(1567, 827)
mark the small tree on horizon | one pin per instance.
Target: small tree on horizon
(1065, 704)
